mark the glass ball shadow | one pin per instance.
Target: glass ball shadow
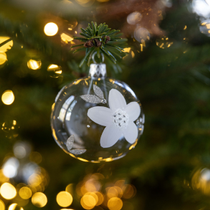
(96, 118)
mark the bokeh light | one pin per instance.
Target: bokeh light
(164, 42)
(25, 192)
(64, 199)
(66, 38)
(14, 206)
(39, 199)
(2, 205)
(54, 68)
(8, 97)
(6, 46)
(3, 58)
(115, 203)
(21, 149)
(100, 198)
(88, 201)
(2, 177)
(83, 2)
(36, 157)
(141, 34)
(51, 29)
(10, 128)
(134, 18)
(112, 192)
(8, 191)
(69, 188)
(10, 167)
(37, 178)
(201, 7)
(129, 191)
(34, 64)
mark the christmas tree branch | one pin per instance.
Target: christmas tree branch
(103, 40)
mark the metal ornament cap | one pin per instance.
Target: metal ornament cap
(97, 70)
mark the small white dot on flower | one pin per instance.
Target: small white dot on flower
(120, 118)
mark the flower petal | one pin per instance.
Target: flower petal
(110, 136)
(133, 110)
(131, 132)
(116, 100)
(100, 115)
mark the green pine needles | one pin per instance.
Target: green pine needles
(103, 40)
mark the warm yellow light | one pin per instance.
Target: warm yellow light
(6, 46)
(2, 206)
(33, 64)
(69, 188)
(129, 191)
(115, 203)
(141, 47)
(102, 0)
(133, 145)
(8, 191)
(83, 1)
(2, 177)
(64, 199)
(100, 198)
(36, 157)
(88, 201)
(55, 68)
(51, 29)
(127, 49)
(90, 186)
(112, 192)
(66, 38)
(13, 206)
(3, 58)
(25, 192)
(8, 97)
(132, 54)
(39, 199)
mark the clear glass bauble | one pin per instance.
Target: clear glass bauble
(96, 118)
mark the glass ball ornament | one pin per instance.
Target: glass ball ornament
(97, 118)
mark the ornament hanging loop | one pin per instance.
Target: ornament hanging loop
(93, 57)
(97, 70)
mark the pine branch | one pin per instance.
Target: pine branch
(101, 39)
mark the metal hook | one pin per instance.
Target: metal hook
(93, 57)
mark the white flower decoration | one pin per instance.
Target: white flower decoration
(118, 119)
